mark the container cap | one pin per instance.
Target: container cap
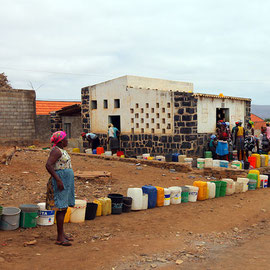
(29, 207)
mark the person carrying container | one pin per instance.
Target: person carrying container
(239, 140)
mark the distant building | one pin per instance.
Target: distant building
(157, 116)
(258, 123)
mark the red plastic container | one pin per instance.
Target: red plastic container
(120, 153)
(252, 161)
(100, 150)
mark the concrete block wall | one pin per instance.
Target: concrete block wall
(17, 116)
(56, 122)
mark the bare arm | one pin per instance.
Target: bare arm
(54, 156)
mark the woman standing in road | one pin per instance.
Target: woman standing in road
(60, 188)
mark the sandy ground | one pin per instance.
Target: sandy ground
(224, 233)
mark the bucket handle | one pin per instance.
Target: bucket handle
(11, 224)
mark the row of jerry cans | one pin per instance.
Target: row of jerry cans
(149, 196)
(257, 161)
(261, 179)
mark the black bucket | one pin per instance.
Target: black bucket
(168, 157)
(127, 201)
(246, 165)
(91, 210)
(117, 203)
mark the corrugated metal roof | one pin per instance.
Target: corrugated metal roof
(45, 107)
(220, 97)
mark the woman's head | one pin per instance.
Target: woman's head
(110, 125)
(59, 137)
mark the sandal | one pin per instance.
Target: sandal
(63, 243)
(69, 237)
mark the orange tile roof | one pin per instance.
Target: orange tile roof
(45, 107)
(258, 122)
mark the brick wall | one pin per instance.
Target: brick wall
(17, 116)
(56, 122)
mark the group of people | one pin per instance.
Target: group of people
(112, 141)
(239, 138)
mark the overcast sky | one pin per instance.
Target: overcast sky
(58, 46)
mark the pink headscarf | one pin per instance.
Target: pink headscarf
(57, 137)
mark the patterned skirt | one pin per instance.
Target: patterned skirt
(61, 200)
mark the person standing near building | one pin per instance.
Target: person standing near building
(113, 139)
(249, 139)
(93, 140)
(239, 140)
(222, 149)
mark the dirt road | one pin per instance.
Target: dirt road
(224, 233)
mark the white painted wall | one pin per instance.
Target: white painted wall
(206, 109)
(133, 103)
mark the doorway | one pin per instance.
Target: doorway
(115, 120)
(222, 114)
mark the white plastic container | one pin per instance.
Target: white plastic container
(193, 193)
(208, 162)
(188, 161)
(145, 201)
(200, 163)
(237, 163)
(89, 151)
(230, 186)
(212, 190)
(167, 196)
(268, 160)
(181, 158)
(245, 183)
(77, 214)
(175, 195)
(238, 187)
(216, 163)
(137, 198)
(108, 153)
(145, 156)
(45, 217)
(264, 180)
(160, 158)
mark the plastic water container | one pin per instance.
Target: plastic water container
(263, 160)
(208, 162)
(237, 163)
(188, 161)
(99, 208)
(203, 190)
(91, 211)
(238, 187)
(108, 153)
(45, 217)
(184, 194)
(29, 215)
(212, 190)
(89, 151)
(120, 153)
(252, 184)
(160, 158)
(268, 160)
(224, 164)
(216, 163)
(252, 162)
(181, 158)
(258, 160)
(117, 203)
(175, 195)
(254, 176)
(137, 198)
(223, 188)
(160, 196)
(150, 158)
(152, 195)
(175, 157)
(145, 156)
(192, 193)
(10, 218)
(76, 150)
(106, 206)
(235, 155)
(168, 158)
(167, 196)
(94, 151)
(217, 186)
(258, 178)
(145, 202)
(264, 180)
(245, 183)
(208, 154)
(230, 186)
(77, 214)
(100, 150)
(200, 163)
